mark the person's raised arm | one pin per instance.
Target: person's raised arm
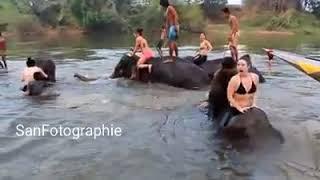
(230, 92)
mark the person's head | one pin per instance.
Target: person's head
(203, 36)
(243, 66)
(226, 12)
(163, 27)
(30, 62)
(164, 3)
(139, 32)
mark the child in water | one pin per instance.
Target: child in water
(161, 41)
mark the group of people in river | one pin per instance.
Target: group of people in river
(171, 30)
(242, 87)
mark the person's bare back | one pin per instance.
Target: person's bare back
(234, 24)
(172, 16)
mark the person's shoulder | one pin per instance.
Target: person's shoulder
(254, 76)
(171, 8)
(234, 78)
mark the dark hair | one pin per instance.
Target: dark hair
(0, 33)
(164, 3)
(30, 62)
(247, 58)
(205, 35)
(226, 10)
(139, 31)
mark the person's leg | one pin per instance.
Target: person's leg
(4, 61)
(159, 46)
(170, 49)
(175, 47)
(1, 65)
(142, 64)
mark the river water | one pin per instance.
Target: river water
(164, 133)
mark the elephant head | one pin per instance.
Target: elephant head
(125, 67)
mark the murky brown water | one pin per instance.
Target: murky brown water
(165, 135)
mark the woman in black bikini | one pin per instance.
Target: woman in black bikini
(242, 89)
(205, 48)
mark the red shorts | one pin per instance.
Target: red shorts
(147, 54)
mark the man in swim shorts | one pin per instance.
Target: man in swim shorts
(172, 26)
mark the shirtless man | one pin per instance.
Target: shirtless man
(28, 73)
(172, 26)
(233, 36)
(3, 49)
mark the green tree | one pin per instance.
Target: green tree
(212, 8)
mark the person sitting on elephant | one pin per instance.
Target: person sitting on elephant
(147, 53)
(205, 48)
(242, 89)
(28, 73)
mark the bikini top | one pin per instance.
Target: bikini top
(242, 89)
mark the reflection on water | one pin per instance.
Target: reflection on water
(165, 136)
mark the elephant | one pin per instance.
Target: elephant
(40, 83)
(252, 124)
(183, 73)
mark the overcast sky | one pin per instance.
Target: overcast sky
(234, 1)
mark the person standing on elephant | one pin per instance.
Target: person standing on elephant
(242, 89)
(147, 53)
(172, 26)
(205, 48)
(161, 41)
(28, 73)
(234, 35)
(3, 49)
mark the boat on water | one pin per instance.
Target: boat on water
(309, 66)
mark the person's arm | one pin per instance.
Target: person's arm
(230, 92)
(209, 46)
(43, 73)
(256, 82)
(23, 76)
(136, 46)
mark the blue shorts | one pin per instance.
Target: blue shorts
(173, 34)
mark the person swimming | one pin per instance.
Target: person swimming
(28, 73)
(234, 35)
(147, 53)
(205, 48)
(172, 26)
